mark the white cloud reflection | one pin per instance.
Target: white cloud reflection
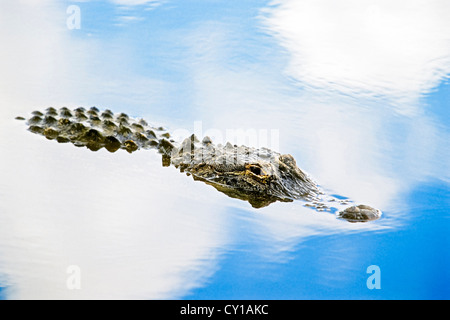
(393, 49)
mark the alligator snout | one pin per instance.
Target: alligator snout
(360, 213)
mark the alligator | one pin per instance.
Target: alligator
(257, 175)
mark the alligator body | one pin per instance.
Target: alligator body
(259, 176)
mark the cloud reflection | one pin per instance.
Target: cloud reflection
(112, 223)
(386, 49)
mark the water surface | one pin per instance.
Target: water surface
(357, 93)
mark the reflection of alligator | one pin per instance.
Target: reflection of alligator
(259, 176)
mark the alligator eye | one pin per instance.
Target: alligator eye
(256, 170)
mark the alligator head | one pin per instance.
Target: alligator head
(260, 176)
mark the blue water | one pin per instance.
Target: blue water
(363, 106)
(412, 261)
